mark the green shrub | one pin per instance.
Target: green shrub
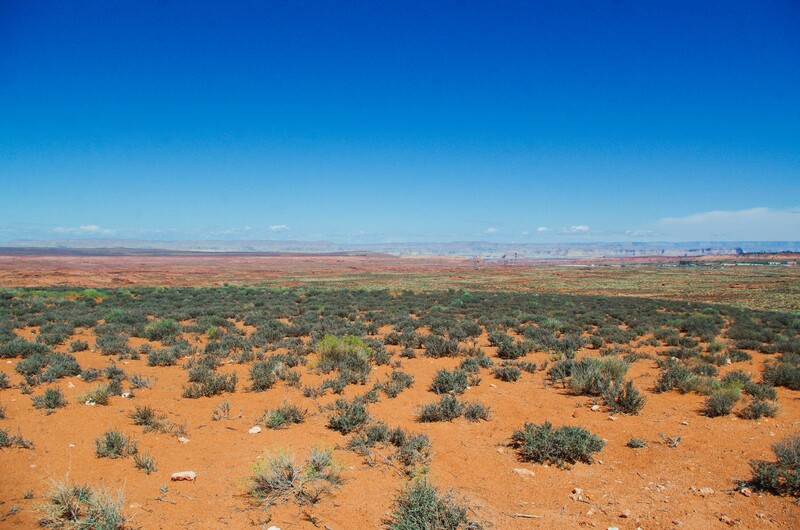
(4, 381)
(447, 409)
(781, 477)
(145, 462)
(99, 395)
(722, 401)
(14, 440)
(277, 477)
(436, 346)
(507, 373)
(637, 443)
(80, 507)
(22, 348)
(347, 416)
(396, 382)
(560, 446)
(284, 415)
(114, 444)
(210, 384)
(164, 330)
(476, 412)
(758, 409)
(421, 506)
(52, 399)
(263, 375)
(162, 358)
(624, 398)
(446, 381)
(78, 345)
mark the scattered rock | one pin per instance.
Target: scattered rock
(70, 385)
(684, 422)
(183, 440)
(493, 385)
(595, 408)
(255, 429)
(135, 505)
(126, 395)
(612, 528)
(90, 403)
(521, 471)
(575, 413)
(576, 495)
(727, 520)
(677, 522)
(747, 492)
(705, 491)
(612, 418)
(70, 445)
(591, 512)
(184, 475)
(273, 528)
(625, 513)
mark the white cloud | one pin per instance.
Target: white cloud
(542, 229)
(278, 228)
(90, 229)
(525, 232)
(576, 229)
(754, 224)
(492, 230)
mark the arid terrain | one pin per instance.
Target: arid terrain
(702, 322)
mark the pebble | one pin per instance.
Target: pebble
(595, 408)
(255, 430)
(705, 491)
(625, 513)
(127, 395)
(183, 440)
(521, 471)
(747, 492)
(273, 528)
(70, 385)
(184, 475)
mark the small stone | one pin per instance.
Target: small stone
(577, 491)
(70, 385)
(612, 528)
(677, 522)
(761, 515)
(625, 513)
(90, 403)
(521, 471)
(727, 520)
(71, 445)
(612, 418)
(575, 413)
(126, 395)
(134, 505)
(747, 492)
(183, 440)
(184, 475)
(493, 385)
(705, 491)
(684, 422)
(591, 512)
(595, 408)
(255, 429)
(273, 528)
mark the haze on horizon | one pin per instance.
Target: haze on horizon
(527, 122)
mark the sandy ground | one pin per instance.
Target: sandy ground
(656, 487)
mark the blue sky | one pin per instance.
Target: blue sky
(400, 121)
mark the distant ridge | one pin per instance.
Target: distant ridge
(465, 249)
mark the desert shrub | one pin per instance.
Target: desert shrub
(781, 477)
(164, 330)
(507, 373)
(560, 446)
(396, 382)
(114, 444)
(80, 507)
(675, 376)
(112, 343)
(22, 348)
(476, 412)
(98, 394)
(284, 415)
(52, 399)
(139, 381)
(78, 345)
(13, 440)
(736, 377)
(761, 391)
(705, 369)
(162, 358)
(446, 381)
(334, 350)
(209, 384)
(722, 401)
(447, 409)
(277, 477)
(758, 409)
(90, 374)
(624, 398)
(421, 506)
(436, 346)
(637, 443)
(263, 375)
(474, 364)
(785, 372)
(4, 381)
(347, 416)
(145, 462)
(60, 365)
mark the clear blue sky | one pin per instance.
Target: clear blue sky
(400, 121)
